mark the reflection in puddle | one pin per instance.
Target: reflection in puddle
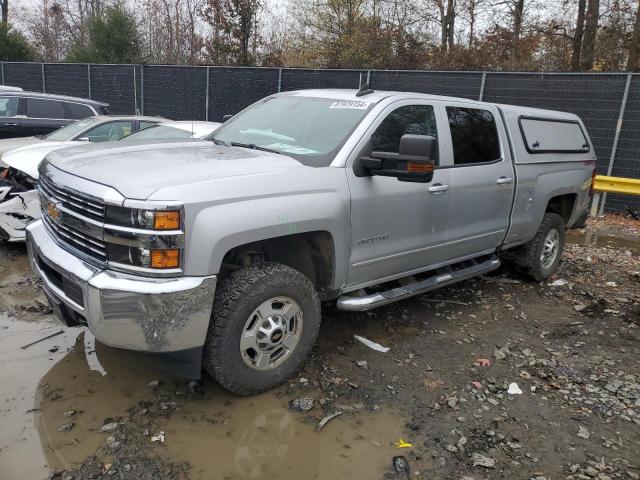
(219, 434)
(593, 238)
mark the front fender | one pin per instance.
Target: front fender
(216, 229)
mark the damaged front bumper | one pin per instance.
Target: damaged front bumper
(17, 210)
(165, 316)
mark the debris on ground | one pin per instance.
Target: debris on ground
(59, 332)
(373, 345)
(327, 419)
(302, 404)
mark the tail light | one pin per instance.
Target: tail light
(593, 182)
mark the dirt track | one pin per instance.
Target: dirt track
(571, 347)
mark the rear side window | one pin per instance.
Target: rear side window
(474, 135)
(410, 119)
(144, 124)
(9, 106)
(77, 111)
(110, 131)
(39, 108)
(553, 136)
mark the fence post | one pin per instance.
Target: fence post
(135, 92)
(279, 79)
(2, 69)
(44, 86)
(206, 99)
(89, 79)
(616, 138)
(141, 89)
(369, 78)
(484, 79)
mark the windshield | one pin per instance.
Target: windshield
(69, 132)
(159, 131)
(308, 129)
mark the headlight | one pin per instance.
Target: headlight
(144, 240)
(143, 219)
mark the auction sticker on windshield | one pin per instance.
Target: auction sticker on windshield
(353, 104)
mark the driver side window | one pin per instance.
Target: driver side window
(410, 119)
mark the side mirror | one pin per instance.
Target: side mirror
(84, 139)
(226, 117)
(414, 162)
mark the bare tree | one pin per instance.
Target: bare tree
(518, 16)
(633, 64)
(447, 19)
(4, 7)
(578, 36)
(590, 34)
(234, 26)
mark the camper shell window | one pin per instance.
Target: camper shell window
(546, 135)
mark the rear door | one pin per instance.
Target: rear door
(482, 177)
(10, 118)
(44, 115)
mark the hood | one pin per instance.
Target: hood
(11, 143)
(137, 170)
(27, 158)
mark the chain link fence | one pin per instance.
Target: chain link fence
(609, 104)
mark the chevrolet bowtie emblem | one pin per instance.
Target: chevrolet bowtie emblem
(53, 210)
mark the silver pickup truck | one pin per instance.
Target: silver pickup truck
(216, 254)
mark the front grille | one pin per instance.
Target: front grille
(67, 227)
(84, 243)
(72, 200)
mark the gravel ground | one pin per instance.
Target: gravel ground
(496, 377)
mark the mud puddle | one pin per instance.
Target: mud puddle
(21, 453)
(595, 239)
(219, 434)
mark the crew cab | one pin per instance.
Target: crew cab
(216, 254)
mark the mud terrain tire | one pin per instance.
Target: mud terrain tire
(529, 257)
(238, 298)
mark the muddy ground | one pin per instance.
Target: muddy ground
(495, 378)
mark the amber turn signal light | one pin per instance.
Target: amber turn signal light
(169, 258)
(419, 167)
(169, 220)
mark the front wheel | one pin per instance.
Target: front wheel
(265, 320)
(541, 256)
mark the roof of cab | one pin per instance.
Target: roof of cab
(53, 96)
(379, 95)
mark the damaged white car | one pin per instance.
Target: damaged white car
(19, 203)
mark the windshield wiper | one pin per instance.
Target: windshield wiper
(218, 142)
(253, 146)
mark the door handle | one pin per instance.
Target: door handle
(11, 124)
(438, 188)
(504, 180)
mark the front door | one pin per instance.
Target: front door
(397, 227)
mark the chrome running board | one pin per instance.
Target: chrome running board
(358, 303)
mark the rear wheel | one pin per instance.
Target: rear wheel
(541, 256)
(265, 321)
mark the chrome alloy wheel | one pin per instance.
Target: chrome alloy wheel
(550, 248)
(271, 333)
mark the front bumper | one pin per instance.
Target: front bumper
(157, 315)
